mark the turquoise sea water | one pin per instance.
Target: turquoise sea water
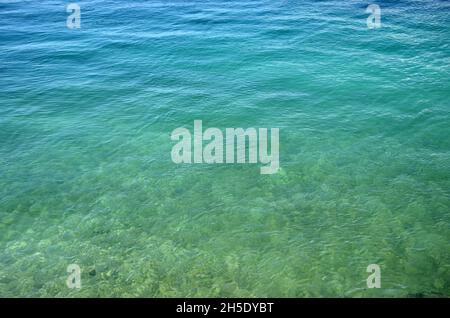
(86, 175)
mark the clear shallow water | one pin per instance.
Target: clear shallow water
(85, 169)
